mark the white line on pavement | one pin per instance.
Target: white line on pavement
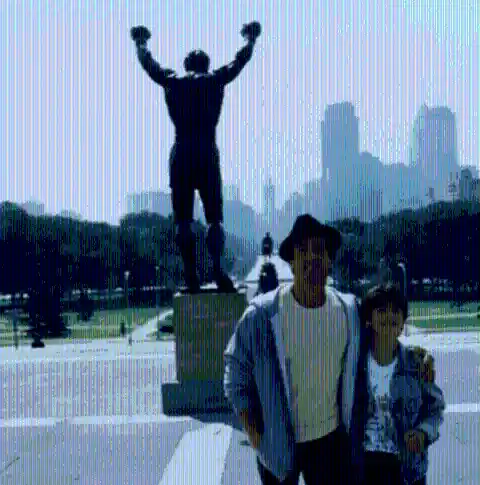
(29, 422)
(467, 407)
(125, 420)
(444, 347)
(119, 420)
(169, 352)
(93, 357)
(93, 421)
(204, 466)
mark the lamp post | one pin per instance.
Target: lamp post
(404, 289)
(126, 274)
(381, 272)
(15, 318)
(404, 273)
(452, 186)
(157, 295)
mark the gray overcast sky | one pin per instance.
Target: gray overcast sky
(81, 125)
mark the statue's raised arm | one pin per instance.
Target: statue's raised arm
(226, 74)
(157, 73)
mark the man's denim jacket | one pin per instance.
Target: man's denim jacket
(256, 378)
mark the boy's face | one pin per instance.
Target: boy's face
(387, 324)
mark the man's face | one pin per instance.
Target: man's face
(311, 262)
(387, 324)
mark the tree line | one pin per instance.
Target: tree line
(48, 257)
(73, 254)
(438, 242)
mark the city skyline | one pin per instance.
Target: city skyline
(379, 190)
(103, 107)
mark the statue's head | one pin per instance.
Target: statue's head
(197, 61)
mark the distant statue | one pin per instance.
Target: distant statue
(194, 103)
(268, 279)
(267, 245)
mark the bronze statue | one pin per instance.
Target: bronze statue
(194, 103)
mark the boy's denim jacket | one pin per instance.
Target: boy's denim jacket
(416, 405)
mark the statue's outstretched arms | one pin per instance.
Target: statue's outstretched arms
(226, 74)
(157, 73)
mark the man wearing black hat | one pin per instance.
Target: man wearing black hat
(290, 367)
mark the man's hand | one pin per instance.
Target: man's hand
(251, 31)
(253, 437)
(414, 441)
(425, 363)
(249, 426)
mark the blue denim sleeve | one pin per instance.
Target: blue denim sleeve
(238, 375)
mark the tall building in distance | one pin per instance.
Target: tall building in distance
(70, 214)
(231, 192)
(269, 205)
(340, 151)
(371, 204)
(340, 138)
(476, 189)
(34, 208)
(286, 215)
(465, 184)
(157, 203)
(433, 147)
(314, 197)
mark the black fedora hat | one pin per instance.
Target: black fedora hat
(306, 227)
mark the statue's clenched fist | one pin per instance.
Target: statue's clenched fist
(251, 31)
(140, 34)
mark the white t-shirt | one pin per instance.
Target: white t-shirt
(314, 340)
(380, 430)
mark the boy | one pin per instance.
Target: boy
(399, 414)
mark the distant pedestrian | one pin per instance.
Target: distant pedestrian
(268, 279)
(291, 365)
(399, 411)
(267, 245)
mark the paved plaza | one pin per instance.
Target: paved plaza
(93, 415)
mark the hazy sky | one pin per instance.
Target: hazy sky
(81, 125)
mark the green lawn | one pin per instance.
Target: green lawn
(438, 315)
(103, 324)
(447, 324)
(435, 308)
(106, 324)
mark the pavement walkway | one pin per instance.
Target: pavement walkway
(143, 332)
(96, 421)
(142, 342)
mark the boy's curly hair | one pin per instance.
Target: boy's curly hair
(379, 297)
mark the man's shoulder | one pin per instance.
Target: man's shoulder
(268, 303)
(348, 299)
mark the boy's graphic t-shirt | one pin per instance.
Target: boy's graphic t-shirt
(380, 429)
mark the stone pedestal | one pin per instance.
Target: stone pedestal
(203, 324)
